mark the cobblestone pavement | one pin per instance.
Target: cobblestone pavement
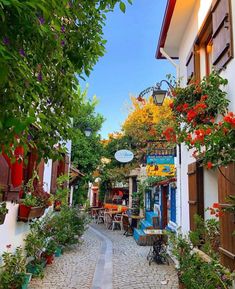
(130, 266)
(75, 268)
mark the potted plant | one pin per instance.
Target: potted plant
(50, 251)
(61, 195)
(3, 212)
(34, 246)
(13, 271)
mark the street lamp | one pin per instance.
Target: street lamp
(158, 94)
(87, 131)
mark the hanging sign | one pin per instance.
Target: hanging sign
(124, 156)
(166, 170)
(162, 166)
(154, 159)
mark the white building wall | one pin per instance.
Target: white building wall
(47, 176)
(210, 190)
(13, 232)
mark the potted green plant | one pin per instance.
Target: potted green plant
(34, 202)
(62, 191)
(49, 252)
(3, 212)
(34, 245)
(13, 271)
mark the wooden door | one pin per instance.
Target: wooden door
(164, 206)
(226, 183)
(196, 194)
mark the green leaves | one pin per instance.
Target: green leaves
(122, 7)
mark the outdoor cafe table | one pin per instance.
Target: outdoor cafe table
(130, 225)
(158, 251)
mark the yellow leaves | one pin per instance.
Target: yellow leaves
(144, 116)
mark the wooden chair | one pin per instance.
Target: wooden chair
(100, 218)
(117, 221)
(108, 220)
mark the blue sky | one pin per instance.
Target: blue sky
(129, 65)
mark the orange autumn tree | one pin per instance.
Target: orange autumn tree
(145, 121)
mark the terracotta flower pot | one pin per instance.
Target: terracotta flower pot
(49, 259)
(26, 213)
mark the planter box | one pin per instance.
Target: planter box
(26, 213)
(27, 279)
(36, 269)
(2, 219)
(58, 252)
(49, 259)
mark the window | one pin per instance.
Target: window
(213, 44)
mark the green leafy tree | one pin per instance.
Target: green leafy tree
(45, 47)
(86, 151)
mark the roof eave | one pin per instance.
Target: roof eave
(165, 26)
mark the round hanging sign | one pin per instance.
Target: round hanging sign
(124, 156)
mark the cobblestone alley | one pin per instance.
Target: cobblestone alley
(106, 260)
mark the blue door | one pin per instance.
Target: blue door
(173, 204)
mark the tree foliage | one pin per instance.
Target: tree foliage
(45, 46)
(87, 151)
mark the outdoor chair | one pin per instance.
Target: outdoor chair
(117, 221)
(107, 220)
(100, 218)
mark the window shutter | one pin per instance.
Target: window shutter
(4, 175)
(222, 33)
(193, 64)
(66, 168)
(196, 196)
(40, 170)
(54, 176)
(227, 221)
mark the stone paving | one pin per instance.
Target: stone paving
(130, 266)
(76, 268)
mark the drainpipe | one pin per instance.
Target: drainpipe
(176, 65)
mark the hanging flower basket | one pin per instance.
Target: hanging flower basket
(27, 213)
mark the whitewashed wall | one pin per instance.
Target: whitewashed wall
(13, 232)
(210, 189)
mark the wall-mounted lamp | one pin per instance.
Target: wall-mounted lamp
(158, 94)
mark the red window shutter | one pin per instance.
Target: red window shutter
(193, 64)
(222, 33)
(227, 221)
(196, 196)
(32, 163)
(54, 176)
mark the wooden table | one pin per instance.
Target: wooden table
(130, 225)
(158, 252)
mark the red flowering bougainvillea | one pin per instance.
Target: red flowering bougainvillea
(196, 109)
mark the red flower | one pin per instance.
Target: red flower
(185, 106)
(171, 105)
(209, 165)
(191, 115)
(216, 206)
